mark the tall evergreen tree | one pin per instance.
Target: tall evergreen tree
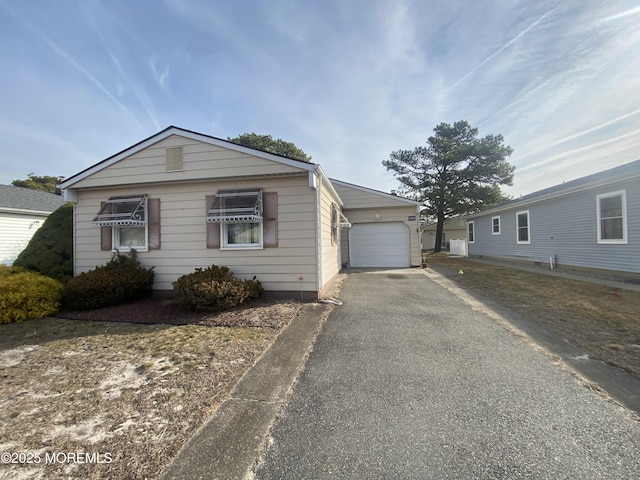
(456, 173)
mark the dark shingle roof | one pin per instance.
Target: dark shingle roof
(606, 176)
(20, 198)
(611, 174)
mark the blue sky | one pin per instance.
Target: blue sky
(347, 81)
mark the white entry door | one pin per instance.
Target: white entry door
(379, 245)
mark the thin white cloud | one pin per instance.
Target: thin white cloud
(520, 34)
(127, 77)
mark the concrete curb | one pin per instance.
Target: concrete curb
(230, 442)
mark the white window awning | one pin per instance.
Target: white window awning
(343, 222)
(236, 206)
(125, 211)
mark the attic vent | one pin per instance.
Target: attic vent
(174, 159)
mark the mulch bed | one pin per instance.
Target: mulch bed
(161, 308)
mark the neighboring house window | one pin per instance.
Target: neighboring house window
(495, 225)
(522, 221)
(242, 219)
(612, 217)
(130, 222)
(471, 232)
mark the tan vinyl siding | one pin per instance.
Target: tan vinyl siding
(15, 232)
(183, 237)
(354, 197)
(330, 257)
(200, 160)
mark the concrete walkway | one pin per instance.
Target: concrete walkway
(228, 445)
(408, 380)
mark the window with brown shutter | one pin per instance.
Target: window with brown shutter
(130, 222)
(242, 219)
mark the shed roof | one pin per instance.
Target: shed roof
(28, 199)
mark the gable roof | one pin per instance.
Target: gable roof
(28, 200)
(605, 177)
(375, 192)
(172, 130)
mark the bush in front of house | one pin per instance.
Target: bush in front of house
(25, 295)
(50, 250)
(213, 289)
(121, 280)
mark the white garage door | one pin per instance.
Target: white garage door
(379, 245)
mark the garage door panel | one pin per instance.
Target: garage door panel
(379, 245)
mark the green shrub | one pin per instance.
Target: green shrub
(50, 250)
(25, 295)
(120, 280)
(214, 289)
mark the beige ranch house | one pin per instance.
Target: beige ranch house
(184, 200)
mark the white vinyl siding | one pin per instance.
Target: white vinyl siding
(15, 232)
(612, 217)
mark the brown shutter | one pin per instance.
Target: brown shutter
(153, 217)
(106, 236)
(270, 219)
(213, 229)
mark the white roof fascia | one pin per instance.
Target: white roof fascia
(328, 182)
(377, 192)
(22, 211)
(192, 136)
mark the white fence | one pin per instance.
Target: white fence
(458, 247)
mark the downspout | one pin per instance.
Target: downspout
(319, 235)
(315, 183)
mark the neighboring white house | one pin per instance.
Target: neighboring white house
(22, 212)
(591, 222)
(185, 200)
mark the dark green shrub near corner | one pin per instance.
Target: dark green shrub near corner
(213, 289)
(120, 280)
(25, 295)
(50, 250)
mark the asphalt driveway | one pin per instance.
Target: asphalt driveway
(408, 381)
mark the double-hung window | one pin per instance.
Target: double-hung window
(522, 225)
(124, 223)
(495, 225)
(612, 217)
(239, 213)
(471, 232)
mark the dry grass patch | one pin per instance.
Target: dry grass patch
(601, 320)
(136, 392)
